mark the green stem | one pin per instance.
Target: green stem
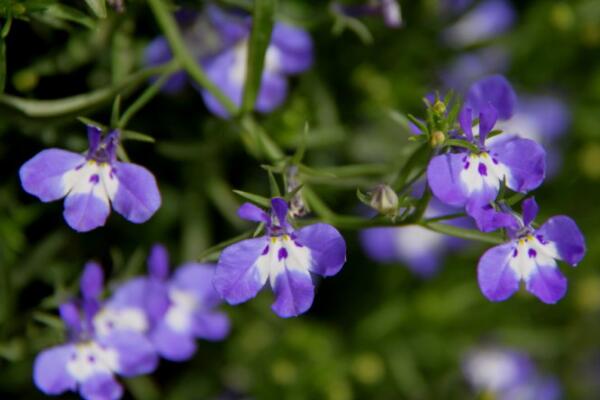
(146, 96)
(78, 103)
(169, 27)
(470, 234)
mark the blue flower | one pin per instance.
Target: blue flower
(219, 41)
(91, 182)
(284, 256)
(473, 178)
(180, 308)
(530, 256)
(102, 343)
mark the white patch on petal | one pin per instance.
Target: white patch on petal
(414, 241)
(93, 177)
(88, 359)
(237, 74)
(180, 313)
(491, 369)
(480, 171)
(109, 320)
(530, 253)
(283, 254)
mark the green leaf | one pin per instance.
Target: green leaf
(260, 200)
(98, 7)
(464, 233)
(116, 111)
(461, 143)
(363, 197)
(88, 121)
(61, 11)
(260, 36)
(274, 186)
(138, 136)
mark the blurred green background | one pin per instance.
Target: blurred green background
(374, 332)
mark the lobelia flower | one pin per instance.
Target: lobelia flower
(181, 308)
(472, 178)
(486, 21)
(91, 182)
(507, 374)
(219, 41)
(530, 256)
(95, 352)
(284, 256)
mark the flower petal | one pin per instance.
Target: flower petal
(272, 92)
(172, 345)
(487, 119)
(379, 244)
(198, 279)
(295, 48)
(524, 159)
(92, 280)
(250, 212)
(530, 210)
(220, 71)
(159, 52)
(150, 295)
(211, 325)
(327, 248)
(238, 276)
(137, 197)
(443, 176)
(49, 370)
(497, 280)
(547, 283)
(136, 354)
(101, 387)
(564, 233)
(158, 262)
(84, 212)
(294, 292)
(42, 176)
(494, 90)
(465, 119)
(489, 220)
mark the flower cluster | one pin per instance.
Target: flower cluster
(145, 318)
(503, 373)
(219, 41)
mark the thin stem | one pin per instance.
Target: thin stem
(78, 103)
(169, 27)
(147, 95)
(443, 218)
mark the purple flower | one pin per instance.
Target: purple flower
(91, 182)
(468, 67)
(219, 41)
(530, 256)
(473, 178)
(487, 20)
(284, 256)
(94, 354)
(507, 374)
(180, 308)
(422, 250)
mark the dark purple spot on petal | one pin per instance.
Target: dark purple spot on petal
(482, 169)
(91, 359)
(77, 168)
(532, 253)
(265, 250)
(467, 164)
(541, 239)
(298, 244)
(95, 179)
(515, 253)
(495, 161)
(282, 254)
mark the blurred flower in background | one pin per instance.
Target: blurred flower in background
(507, 374)
(218, 39)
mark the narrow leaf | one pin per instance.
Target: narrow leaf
(260, 200)
(98, 7)
(260, 36)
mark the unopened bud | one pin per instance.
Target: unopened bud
(384, 200)
(437, 138)
(439, 108)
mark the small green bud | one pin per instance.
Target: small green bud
(384, 200)
(437, 138)
(439, 108)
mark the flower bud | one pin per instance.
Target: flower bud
(439, 108)
(384, 200)
(437, 138)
